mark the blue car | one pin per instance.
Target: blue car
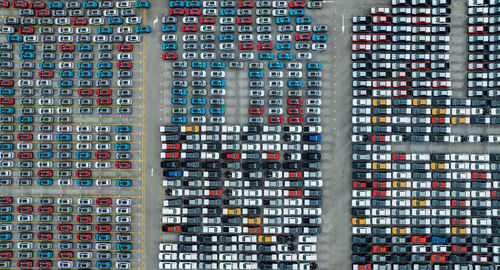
(90, 4)
(123, 129)
(179, 101)
(64, 137)
(283, 20)
(86, 74)
(84, 47)
(217, 111)
(314, 66)
(7, 110)
(104, 65)
(169, 46)
(83, 155)
(294, 84)
(226, 37)
(218, 65)
(179, 119)
(6, 146)
(27, 55)
(297, 12)
(103, 264)
(85, 65)
(45, 254)
(14, 38)
(179, 92)
(123, 183)
(439, 239)
(197, 111)
(25, 119)
(84, 182)
(105, 30)
(103, 237)
(176, 4)
(56, 5)
(47, 65)
(122, 146)
(6, 236)
(275, 65)
(284, 46)
(7, 91)
(303, 20)
(266, 56)
(115, 21)
(198, 65)
(44, 155)
(193, 4)
(27, 47)
(285, 56)
(105, 74)
(217, 83)
(312, 137)
(142, 4)
(255, 74)
(45, 182)
(142, 29)
(169, 173)
(5, 218)
(124, 246)
(66, 74)
(169, 28)
(198, 101)
(65, 83)
(319, 38)
(227, 12)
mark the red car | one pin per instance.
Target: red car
(439, 185)
(6, 82)
(294, 193)
(440, 120)
(37, 5)
(43, 13)
(7, 101)
(64, 227)
(381, 248)
(254, 229)
(357, 184)
(460, 221)
(85, 92)
(104, 92)
(176, 11)
(207, 20)
(231, 155)
(295, 120)
(378, 184)
(379, 138)
(45, 209)
(46, 74)
(45, 173)
(25, 155)
(84, 236)
(25, 264)
(169, 56)
(79, 21)
(440, 257)
(398, 157)
(67, 47)
(294, 101)
(460, 203)
(480, 175)
(298, 4)
(294, 111)
(271, 156)
(171, 228)
(123, 165)
(6, 200)
(5, 254)
(83, 173)
(215, 192)
(245, 4)
(25, 209)
(265, 46)
(417, 239)
(124, 65)
(4, 3)
(65, 254)
(102, 155)
(44, 236)
(125, 47)
(379, 193)
(275, 119)
(457, 248)
(103, 227)
(173, 146)
(104, 101)
(244, 20)
(84, 219)
(303, 37)
(44, 264)
(189, 28)
(245, 46)
(103, 201)
(255, 110)
(295, 175)
(171, 155)
(193, 11)
(25, 30)
(20, 4)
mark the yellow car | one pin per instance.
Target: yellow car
(417, 102)
(460, 120)
(359, 221)
(381, 102)
(400, 230)
(437, 111)
(380, 119)
(460, 230)
(254, 220)
(439, 166)
(380, 166)
(419, 203)
(266, 238)
(233, 211)
(399, 184)
(192, 128)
